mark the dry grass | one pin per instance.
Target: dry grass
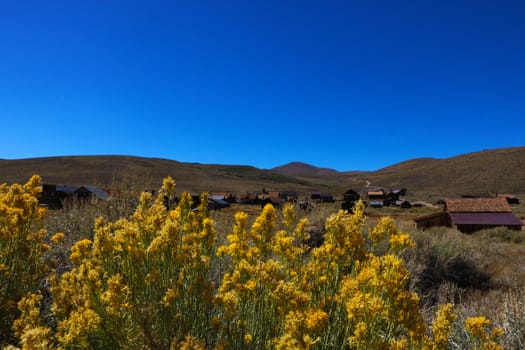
(482, 273)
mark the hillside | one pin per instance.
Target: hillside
(492, 171)
(489, 171)
(105, 171)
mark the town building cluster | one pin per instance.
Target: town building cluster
(466, 214)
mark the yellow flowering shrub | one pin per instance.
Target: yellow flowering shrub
(159, 280)
(143, 282)
(22, 247)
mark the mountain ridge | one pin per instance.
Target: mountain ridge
(499, 170)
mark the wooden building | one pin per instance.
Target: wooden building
(379, 198)
(377, 195)
(472, 214)
(248, 198)
(320, 197)
(351, 196)
(53, 196)
(404, 204)
(269, 197)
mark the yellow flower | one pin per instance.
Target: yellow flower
(168, 184)
(477, 326)
(398, 344)
(45, 247)
(441, 327)
(230, 300)
(359, 336)
(250, 285)
(497, 332)
(384, 228)
(80, 251)
(315, 320)
(168, 297)
(400, 242)
(58, 238)
(248, 339)
(78, 327)
(116, 296)
(37, 338)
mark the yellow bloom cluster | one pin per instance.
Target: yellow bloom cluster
(482, 337)
(441, 328)
(300, 329)
(23, 244)
(28, 327)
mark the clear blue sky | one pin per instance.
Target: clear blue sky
(349, 85)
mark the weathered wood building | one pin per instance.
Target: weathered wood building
(320, 197)
(381, 197)
(472, 214)
(54, 196)
(351, 196)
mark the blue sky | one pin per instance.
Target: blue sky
(349, 85)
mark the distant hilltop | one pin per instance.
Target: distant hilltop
(300, 168)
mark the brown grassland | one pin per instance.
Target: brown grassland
(491, 171)
(480, 274)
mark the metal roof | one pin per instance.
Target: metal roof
(100, 193)
(219, 201)
(489, 219)
(66, 189)
(217, 198)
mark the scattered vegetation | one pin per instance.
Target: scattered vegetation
(136, 275)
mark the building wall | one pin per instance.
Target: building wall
(473, 228)
(443, 219)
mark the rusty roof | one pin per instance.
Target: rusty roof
(477, 205)
(375, 193)
(224, 194)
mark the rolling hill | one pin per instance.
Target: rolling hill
(303, 170)
(491, 171)
(147, 173)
